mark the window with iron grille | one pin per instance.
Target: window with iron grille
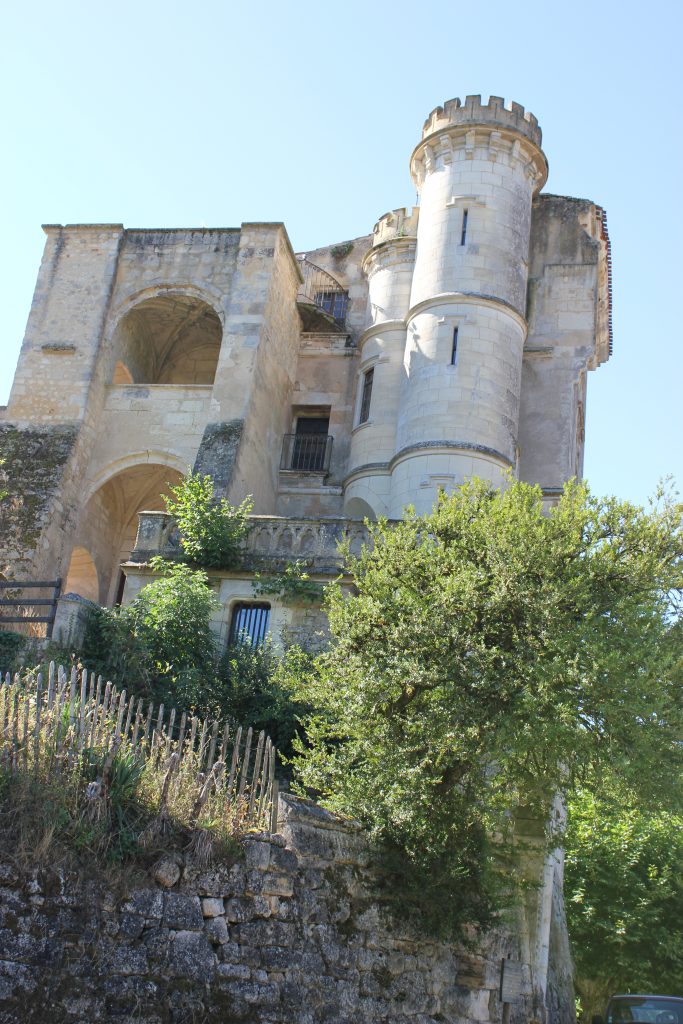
(249, 623)
(334, 303)
(310, 443)
(368, 378)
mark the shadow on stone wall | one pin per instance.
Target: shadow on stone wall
(290, 934)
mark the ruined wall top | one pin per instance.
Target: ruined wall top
(512, 116)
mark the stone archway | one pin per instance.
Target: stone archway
(82, 577)
(168, 339)
(108, 522)
(357, 508)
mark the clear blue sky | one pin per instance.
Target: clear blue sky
(173, 114)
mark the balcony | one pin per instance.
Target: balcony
(306, 453)
(272, 541)
(321, 299)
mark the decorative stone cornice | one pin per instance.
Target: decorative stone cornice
(381, 328)
(468, 298)
(413, 450)
(390, 253)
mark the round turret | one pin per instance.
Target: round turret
(477, 168)
(440, 370)
(396, 224)
(389, 268)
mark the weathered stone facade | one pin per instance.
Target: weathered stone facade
(453, 340)
(291, 934)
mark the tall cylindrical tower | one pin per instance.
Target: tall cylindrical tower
(389, 268)
(477, 169)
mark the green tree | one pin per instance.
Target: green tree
(211, 529)
(489, 656)
(624, 898)
(162, 643)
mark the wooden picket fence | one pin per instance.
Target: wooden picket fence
(58, 719)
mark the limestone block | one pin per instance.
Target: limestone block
(217, 930)
(182, 911)
(191, 955)
(212, 907)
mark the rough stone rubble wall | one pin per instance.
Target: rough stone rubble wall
(288, 935)
(32, 464)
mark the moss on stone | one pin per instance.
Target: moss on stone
(32, 464)
(218, 452)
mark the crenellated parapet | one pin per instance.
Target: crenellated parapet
(396, 224)
(474, 130)
(512, 117)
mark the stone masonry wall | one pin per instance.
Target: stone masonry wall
(290, 934)
(32, 462)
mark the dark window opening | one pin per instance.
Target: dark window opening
(463, 234)
(454, 349)
(312, 425)
(366, 396)
(120, 587)
(334, 303)
(249, 623)
(310, 444)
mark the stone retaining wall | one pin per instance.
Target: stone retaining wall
(290, 934)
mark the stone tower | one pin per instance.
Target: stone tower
(448, 298)
(333, 385)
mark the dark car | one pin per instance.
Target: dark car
(634, 1009)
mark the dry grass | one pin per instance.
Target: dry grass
(78, 780)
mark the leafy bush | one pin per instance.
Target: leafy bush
(170, 620)
(161, 643)
(250, 687)
(211, 530)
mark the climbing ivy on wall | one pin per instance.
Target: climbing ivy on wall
(292, 585)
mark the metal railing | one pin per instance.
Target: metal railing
(321, 289)
(306, 453)
(29, 603)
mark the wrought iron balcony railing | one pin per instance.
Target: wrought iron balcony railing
(324, 292)
(306, 453)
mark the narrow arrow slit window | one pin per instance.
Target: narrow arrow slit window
(368, 377)
(463, 233)
(454, 347)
